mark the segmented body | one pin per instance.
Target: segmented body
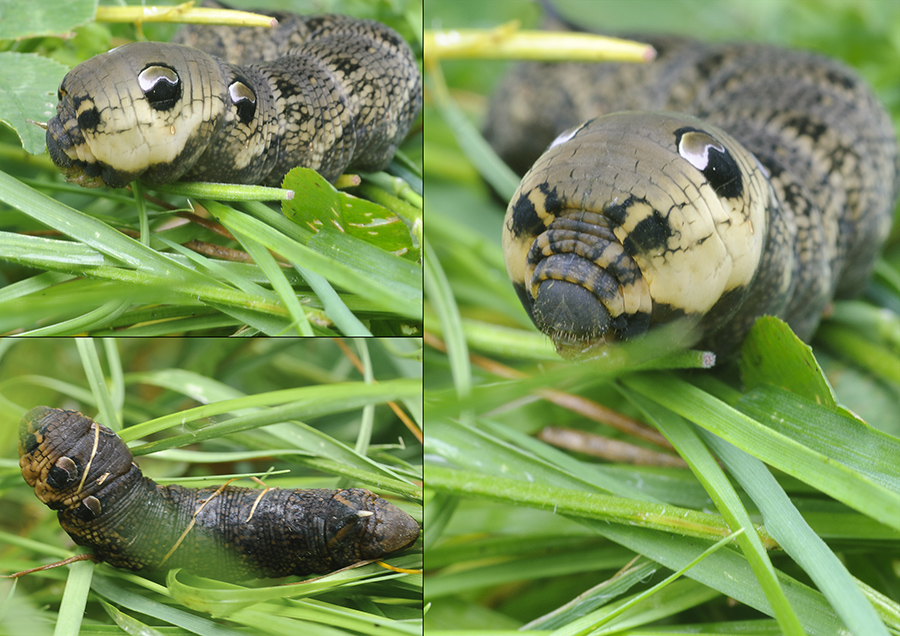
(83, 470)
(324, 92)
(762, 181)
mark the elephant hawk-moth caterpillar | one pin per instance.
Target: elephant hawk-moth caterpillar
(324, 92)
(719, 183)
(84, 471)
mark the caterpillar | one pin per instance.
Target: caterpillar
(719, 183)
(324, 92)
(83, 470)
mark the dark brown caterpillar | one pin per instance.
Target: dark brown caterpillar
(324, 92)
(766, 187)
(83, 470)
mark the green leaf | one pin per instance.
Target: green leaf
(772, 354)
(318, 204)
(29, 95)
(19, 20)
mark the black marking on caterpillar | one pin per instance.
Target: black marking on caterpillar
(715, 185)
(324, 92)
(85, 472)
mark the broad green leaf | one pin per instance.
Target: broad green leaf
(318, 204)
(772, 354)
(20, 20)
(29, 94)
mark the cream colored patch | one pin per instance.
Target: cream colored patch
(690, 272)
(515, 251)
(715, 243)
(637, 297)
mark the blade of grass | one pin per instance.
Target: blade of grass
(726, 571)
(838, 479)
(89, 231)
(794, 535)
(119, 594)
(594, 622)
(74, 600)
(440, 296)
(90, 361)
(704, 466)
(579, 503)
(273, 272)
(476, 149)
(392, 290)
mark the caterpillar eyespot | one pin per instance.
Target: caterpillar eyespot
(238, 105)
(85, 472)
(717, 184)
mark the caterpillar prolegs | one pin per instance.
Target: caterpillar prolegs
(324, 92)
(84, 471)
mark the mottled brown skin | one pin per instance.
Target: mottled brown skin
(132, 522)
(823, 170)
(245, 106)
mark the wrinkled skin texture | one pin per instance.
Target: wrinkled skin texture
(761, 181)
(242, 106)
(85, 472)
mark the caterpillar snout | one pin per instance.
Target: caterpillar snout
(584, 288)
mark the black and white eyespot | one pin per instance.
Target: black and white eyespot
(244, 100)
(711, 157)
(89, 509)
(62, 474)
(161, 86)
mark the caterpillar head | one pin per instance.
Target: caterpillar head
(67, 458)
(148, 110)
(359, 525)
(631, 220)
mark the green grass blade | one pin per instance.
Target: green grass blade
(794, 535)
(121, 594)
(704, 466)
(285, 292)
(837, 479)
(395, 289)
(90, 361)
(440, 297)
(71, 610)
